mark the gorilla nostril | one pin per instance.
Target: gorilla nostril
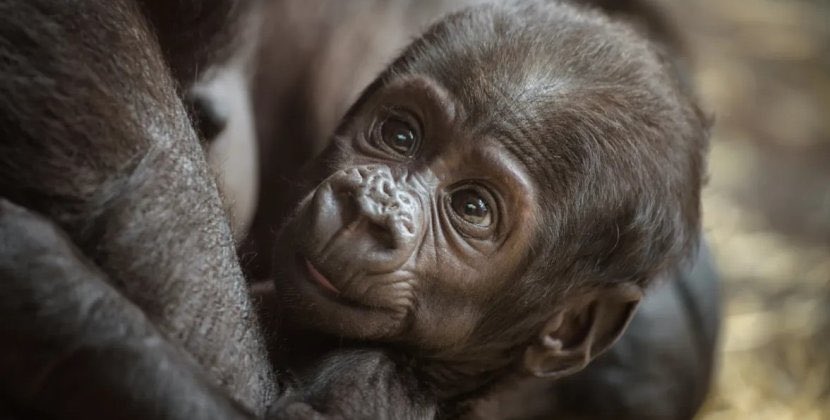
(210, 116)
(349, 207)
(387, 187)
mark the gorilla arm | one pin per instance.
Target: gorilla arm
(63, 322)
(96, 138)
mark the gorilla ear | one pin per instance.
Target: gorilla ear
(574, 336)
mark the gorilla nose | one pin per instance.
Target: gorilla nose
(378, 208)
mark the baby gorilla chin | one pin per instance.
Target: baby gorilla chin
(354, 236)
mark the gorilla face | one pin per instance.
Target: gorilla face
(417, 221)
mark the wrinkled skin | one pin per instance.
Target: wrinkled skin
(379, 227)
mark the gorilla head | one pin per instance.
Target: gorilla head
(503, 192)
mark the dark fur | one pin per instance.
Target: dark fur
(75, 348)
(95, 138)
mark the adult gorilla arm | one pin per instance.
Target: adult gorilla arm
(64, 324)
(94, 137)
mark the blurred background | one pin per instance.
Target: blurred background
(763, 71)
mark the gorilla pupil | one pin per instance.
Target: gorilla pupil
(471, 207)
(475, 209)
(399, 136)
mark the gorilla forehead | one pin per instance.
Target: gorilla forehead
(590, 109)
(533, 74)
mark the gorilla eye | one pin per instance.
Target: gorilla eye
(399, 135)
(471, 207)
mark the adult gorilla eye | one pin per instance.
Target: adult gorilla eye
(471, 207)
(399, 135)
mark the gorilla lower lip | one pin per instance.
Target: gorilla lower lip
(319, 278)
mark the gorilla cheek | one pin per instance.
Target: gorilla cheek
(322, 219)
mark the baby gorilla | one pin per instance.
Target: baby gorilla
(495, 202)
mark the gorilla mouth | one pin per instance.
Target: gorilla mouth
(319, 278)
(327, 289)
